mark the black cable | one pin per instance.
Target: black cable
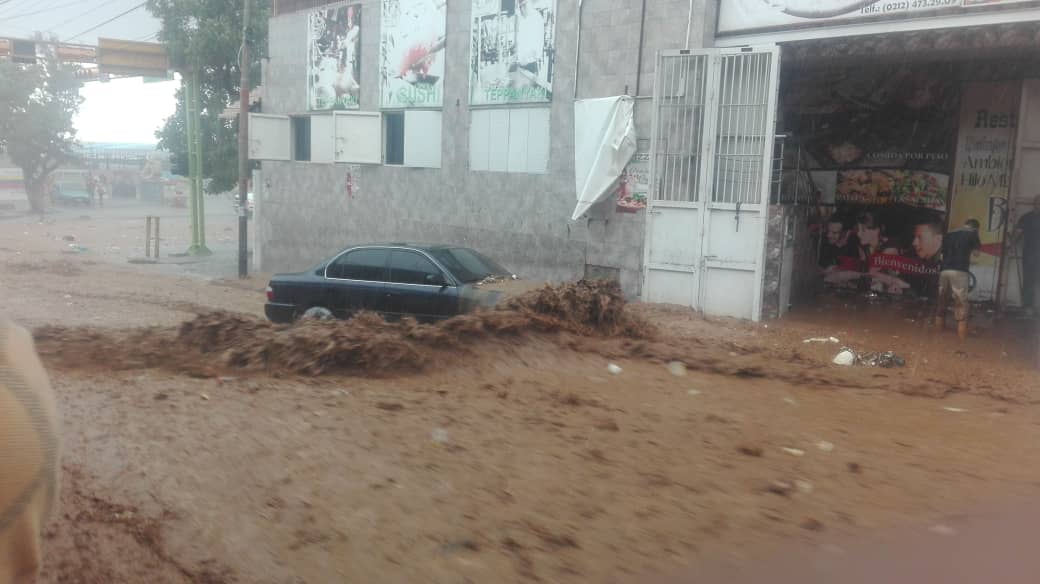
(114, 18)
(81, 15)
(42, 10)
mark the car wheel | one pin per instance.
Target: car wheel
(316, 313)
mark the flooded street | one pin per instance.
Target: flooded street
(502, 448)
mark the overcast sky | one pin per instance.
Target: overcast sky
(123, 110)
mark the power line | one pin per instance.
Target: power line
(81, 15)
(42, 10)
(114, 18)
(17, 5)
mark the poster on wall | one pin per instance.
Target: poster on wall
(877, 147)
(739, 16)
(513, 49)
(634, 185)
(334, 58)
(411, 70)
(982, 177)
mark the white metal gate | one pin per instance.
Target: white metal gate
(713, 129)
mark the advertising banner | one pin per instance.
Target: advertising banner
(411, 71)
(513, 48)
(982, 176)
(334, 58)
(876, 144)
(634, 186)
(740, 16)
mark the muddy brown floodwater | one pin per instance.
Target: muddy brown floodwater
(215, 447)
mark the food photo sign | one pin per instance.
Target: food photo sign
(412, 48)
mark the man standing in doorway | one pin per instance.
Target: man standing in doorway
(958, 247)
(1028, 231)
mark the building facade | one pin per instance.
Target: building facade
(488, 165)
(454, 121)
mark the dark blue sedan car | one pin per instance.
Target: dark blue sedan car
(428, 282)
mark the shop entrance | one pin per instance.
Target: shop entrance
(714, 114)
(891, 142)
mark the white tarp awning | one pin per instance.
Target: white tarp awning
(604, 142)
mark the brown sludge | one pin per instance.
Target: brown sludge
(365, 343)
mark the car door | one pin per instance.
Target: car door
(356, 281)
(418, 287)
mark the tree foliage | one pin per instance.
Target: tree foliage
(207, 35)
(37, 105)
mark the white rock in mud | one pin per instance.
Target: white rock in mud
(677, 368)
(845, 358)
(614, 369)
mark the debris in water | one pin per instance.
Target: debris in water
(439, 435)
(790, 400)
(677, 368)
(825, 446)
(804, 487)
(887, 359)
(821, 340)
(222, 340)
(204, 396)
(693, 392)
(753, 451)
(845, 358)
(944, 530)
(614, 369)
(793, 451)
(954, 410)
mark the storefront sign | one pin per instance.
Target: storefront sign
(512, 52)
(411, 70)
(334, 58)
(740, 16)
(982, 177)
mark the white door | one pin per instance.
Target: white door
(713, 129)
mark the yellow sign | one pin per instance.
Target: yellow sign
(116, 57)
(982, 176)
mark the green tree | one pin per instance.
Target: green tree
(207, 34)
(37, 104)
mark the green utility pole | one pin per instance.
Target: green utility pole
(198, 206)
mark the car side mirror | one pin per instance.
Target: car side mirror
(436, 280)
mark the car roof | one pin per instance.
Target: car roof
(419, 246)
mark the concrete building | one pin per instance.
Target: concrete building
(451, 125)
(307, 210)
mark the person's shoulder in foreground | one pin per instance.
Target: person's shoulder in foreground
(29, 451)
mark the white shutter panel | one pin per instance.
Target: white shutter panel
(322, 137)
(538, 141)
(358, 137)
(479, 140)
(270, 137)
(422, 139)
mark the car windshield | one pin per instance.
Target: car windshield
(468, 265)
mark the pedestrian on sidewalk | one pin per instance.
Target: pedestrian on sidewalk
(29, 451)
(958, 247)
(101, 188)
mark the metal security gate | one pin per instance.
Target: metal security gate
(713, 131)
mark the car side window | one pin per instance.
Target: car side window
(409, 267)
(362, 264)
